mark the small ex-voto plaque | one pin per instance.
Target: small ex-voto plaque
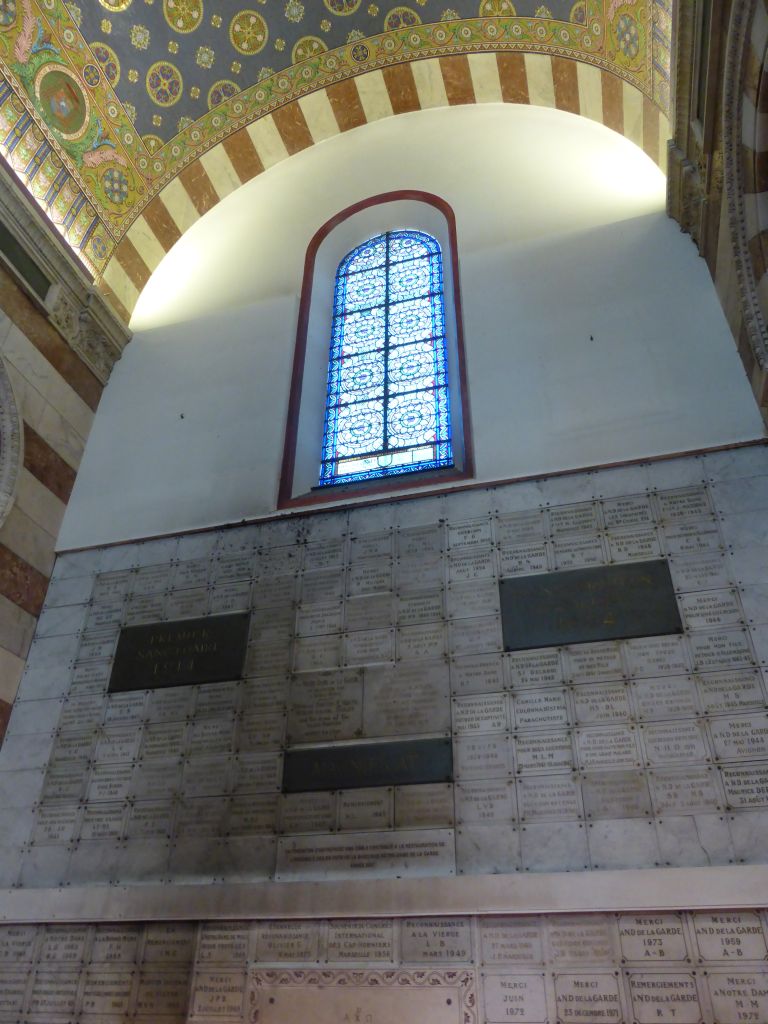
(582, 605)
(207, 650)
(403, 762)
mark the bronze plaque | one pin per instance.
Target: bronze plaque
(404, 762)
(207, 650)
(583, 605)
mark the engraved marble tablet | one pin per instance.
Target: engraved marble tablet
(610, 746)
(652, 937)
(549, 798)
(424, 806)
(367, 764)
(485, 803)
(670, 697)
(590, 997)
(581, 938)
(515, 997)
(603, 704)
(362, 809)
(684, 791)
(325, 706)
(577, 551)
(288, 940)
(339, 997)
(640, 543)
(430, 939)
(482, 757)
(414, 852)
(746, 786)
(534, 668)
(674, 742)
(529, 557)
(711, 608)
(664, 996)
(360, 941)
(514, 940)
(307, 812)
(616, 795)
(738, 993)
(519, 526)
(728, 936)
(485, 713)
(540, 709)
(540, 751)
(688, 503)
(634, 510)
(723, 692)
(740, 737)
(203, 650)
(582, 605)
(720, 650)
(480, 673)
(657, 656)
(409, 699)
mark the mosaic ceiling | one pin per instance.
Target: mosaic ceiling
(102, 102)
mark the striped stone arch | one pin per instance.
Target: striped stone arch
(530, 78)
(745, 293)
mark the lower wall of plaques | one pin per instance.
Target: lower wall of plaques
(688, 968)
(385, 623)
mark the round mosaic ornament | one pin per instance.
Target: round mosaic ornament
(115, 185)
(116, 5)
(342, 7)
(183, 15)
(307, 46)
(401, 17)
(164, 83)
(62, 101)
(221, 91)
(248, 32)
(497, 9)
(7, 13)
(108, 60)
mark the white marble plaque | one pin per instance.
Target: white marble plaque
(193, 573)
(529, 557)
(657, 656)
(711, 608)
(688, 503)
(519, 526)
(173, 704)
(692, 538)
(358, 997)
(587, 997)
(223, 942)
(292, 941)
(589, 663)
(209, 775)
(542, 751)
(149, 819)
(712, 651)
(281, 590)
(420, 573)
(471, 564)
(371, 646)
(103, 821)
(107, 992)
(13, 988)
(614, 795)
(674, 742)
(418, 608)
(367, 855)
(534, 668)
(369, 577)
(482, 673)
(580, 518)
(549, 798)
(610, 746)
(627, 545)
(63, 944)
(258, 729)
(407, 700)
(688, 791)
(721, 692)
(540, 709)
(255, 814)
(420, 541)
(257, 773)
(431, 940)
(116, 943)
(312, 654)
(426, 806)
(90, 677)
(466, 600)
(270, 659)
(578, 551)
(362, 809)
(739, 998)
(704, 572)
(163, 992)
(601, 704)
(634, 510)
(740, 737)
(56, 823)
(485, 803)
(53, 996)
(730, 936)
(318, 619)
(105, 615)
(307, 812)
(82, 713)
(211, 735)
(511, 940)
(746, 786)
(481, 757)
(485, 713)
(645, 937)
(666, 996)
(324, 554)
(110, 585)
(168, 739)
(217, 993)
(515, 997)
(200, 818)
(475, 636)
(187, 604)
(370, 545)
(324, 587)
(156, 779)
(267, 692)
(415, 643)
(360, 941)
(373, 612)
(17, 943)
(668, 697)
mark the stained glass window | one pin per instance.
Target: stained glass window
(388, 407)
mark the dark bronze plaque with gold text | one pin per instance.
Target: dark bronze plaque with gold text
(400, 763)
(578, 606)
(206, 650)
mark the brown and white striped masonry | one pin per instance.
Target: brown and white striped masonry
(751, 234)
(538, 79)
(56, 396)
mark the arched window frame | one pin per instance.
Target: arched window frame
(307, 402)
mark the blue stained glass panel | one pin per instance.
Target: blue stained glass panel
(388, 404)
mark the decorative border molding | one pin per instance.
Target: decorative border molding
(74, 307)
(11, 445)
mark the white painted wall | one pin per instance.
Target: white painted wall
(593, 333)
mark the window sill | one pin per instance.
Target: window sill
(381, 486)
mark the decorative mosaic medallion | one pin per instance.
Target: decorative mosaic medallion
(7, 13)
(91, 75)
(109, 62)
(153, 143)
(497, 9)
(62, 102)
(116, 5)
(164, 83)
(401, 17)
(248, 32)
(221, 91)
(183, 15)
(307, 46)
(342, 6)
(115, 185)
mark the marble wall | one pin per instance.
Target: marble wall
(691, 968)
(384, 623)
